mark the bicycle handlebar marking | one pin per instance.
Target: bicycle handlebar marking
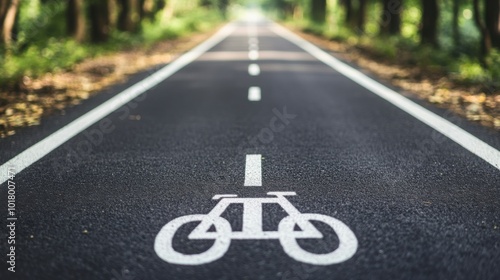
(252, 229)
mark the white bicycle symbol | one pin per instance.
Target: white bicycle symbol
(252, 229)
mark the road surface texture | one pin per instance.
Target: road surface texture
(255, 114)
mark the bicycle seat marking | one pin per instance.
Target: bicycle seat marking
(252, 229)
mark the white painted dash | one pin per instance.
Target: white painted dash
(253, 55)
(253, 41)
(254, 94)
(253, 171)
(253, 69)
(58, 138)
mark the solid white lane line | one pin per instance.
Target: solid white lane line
(254, 94)
(51, 142)
(253, 55)
(253, 69)
(253, 171)
(450, 130)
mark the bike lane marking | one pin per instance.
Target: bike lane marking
(254, 94)
(61, 136)
(252, 230)
(253, 171)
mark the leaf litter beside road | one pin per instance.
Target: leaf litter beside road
(476, 102)
(34, 98)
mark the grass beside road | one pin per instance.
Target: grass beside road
(55, 54)
(49, 77)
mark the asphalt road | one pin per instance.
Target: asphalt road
(392, 197)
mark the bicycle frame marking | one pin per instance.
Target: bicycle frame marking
(252, 218)
(252, 229)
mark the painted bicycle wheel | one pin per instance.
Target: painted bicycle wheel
(164, 249)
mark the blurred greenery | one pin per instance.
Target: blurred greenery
(41, 40)
(462, 60)
(42, 45)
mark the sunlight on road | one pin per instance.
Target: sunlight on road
(253, 15)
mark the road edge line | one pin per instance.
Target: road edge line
(445, 127)
(64, 134)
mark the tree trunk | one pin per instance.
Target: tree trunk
(147, 9)
(288, 10)
(223, 5)
(4, 4)
(113, 7)
(348, 12)
(485, 35)
(454, 22)
(429, 23)
(99, 20)
(492, 21)
(128, 19)
(318, 11)
(361, 16)
(390, 23)
(9, 22)
(75, 20)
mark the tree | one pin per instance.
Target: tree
(390, 23)
(148, 8)
(348, 11)
(361, 16)
(492, 21)
(99, 20)
(429, 23)
(128, 18)
(75, 20)
(318, 11)
(454, 22)
(8, 20)
(355, 14)
(285, 8)
(485, 35)
(4, 5)
(223, 5)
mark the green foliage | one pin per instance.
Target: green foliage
(59, 53)
(461, 60)
(196, 20)
(410, 22)
(37, 60)
(38, 23)
(470, 70)
(387, 47)
(429, 56)
(493, 62)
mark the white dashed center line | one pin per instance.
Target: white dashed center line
(253, 171)
(254, 94)
(253, 41)
(252, 31)
(253, 69)
(253, 55)
(253, 47)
